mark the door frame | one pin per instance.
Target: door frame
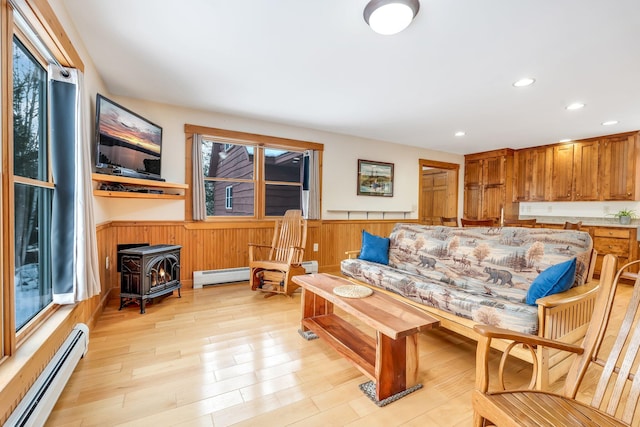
(437, 165)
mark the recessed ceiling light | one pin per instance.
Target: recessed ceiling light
(566, 140)
(460, 133)
(575, 106)
(526, 81)
(610, 122)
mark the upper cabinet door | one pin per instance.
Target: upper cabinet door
(540, 179)
(562, 172)
(473, 202)
(618, 167)
(473, 172)
(585, 171)
(521, 175)
(494, 170)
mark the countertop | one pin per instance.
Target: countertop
(586, 221)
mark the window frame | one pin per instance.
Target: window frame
(48, 33)
(261, 142)
(45, 183)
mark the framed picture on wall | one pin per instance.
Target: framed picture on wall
(375, 178)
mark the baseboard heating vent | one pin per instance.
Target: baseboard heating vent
(35, 407)
(229, 275)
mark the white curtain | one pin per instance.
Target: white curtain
(199, 203)
(78, 279)
(310, 183)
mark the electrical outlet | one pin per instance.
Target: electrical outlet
(315, 247)
(549, 209)
(607, 210)
(106, 262)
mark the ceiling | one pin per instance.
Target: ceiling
(316, 64)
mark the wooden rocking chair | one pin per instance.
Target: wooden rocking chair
(272, 273)
(611, 355)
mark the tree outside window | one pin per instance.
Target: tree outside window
(32, 189)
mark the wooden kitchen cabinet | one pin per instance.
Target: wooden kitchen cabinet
(562, 172)
(532, 174)
(619, 167)
(575, 171)
(618, 241)
(585, 171)
(488, 185)
(603, 168)
(473, 171)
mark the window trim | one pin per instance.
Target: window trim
(45, 183)
(235, 137)
(40, 17)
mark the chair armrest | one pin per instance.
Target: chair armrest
(486, 333)
(572, 295)
(490, 332)
(352, 254)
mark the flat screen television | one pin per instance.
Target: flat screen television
(127, 143)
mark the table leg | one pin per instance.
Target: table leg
(396, 365)
(312, 306)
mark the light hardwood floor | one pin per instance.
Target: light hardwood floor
(224, 355)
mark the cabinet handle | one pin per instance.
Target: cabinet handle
(568, 194)
(610, 233)
(610, 247)
(628, 194)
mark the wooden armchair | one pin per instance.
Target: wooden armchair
(449, 221)
(272, 266)
(573, 225)
(604, 351)
(529, 223)
(477, 222)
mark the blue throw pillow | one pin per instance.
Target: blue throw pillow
(374, 248)
(555, 279)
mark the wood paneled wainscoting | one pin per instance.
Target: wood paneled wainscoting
(218, 245)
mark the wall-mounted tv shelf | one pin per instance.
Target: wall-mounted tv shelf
(134, 188)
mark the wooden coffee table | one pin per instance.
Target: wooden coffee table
(391, 359)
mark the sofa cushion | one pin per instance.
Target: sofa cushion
(555, 279)
(446, 295)
(374, 248)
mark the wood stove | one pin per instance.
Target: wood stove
(148, 272)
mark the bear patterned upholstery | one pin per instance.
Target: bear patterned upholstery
(480, 273)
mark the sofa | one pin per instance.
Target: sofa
(465, 276)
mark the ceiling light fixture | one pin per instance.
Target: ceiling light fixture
(389, 17)
(566, 140)
(460, 133)
(525, 81)
(575, 106)
(610, 122)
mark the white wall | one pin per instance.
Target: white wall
(576, 209)
(339, 163)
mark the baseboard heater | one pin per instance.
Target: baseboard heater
(229, 275)
(35, 407)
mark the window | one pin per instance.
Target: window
(33, 188)
(250, 175)
(223, 169)
(228, 204)
(232, 183)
